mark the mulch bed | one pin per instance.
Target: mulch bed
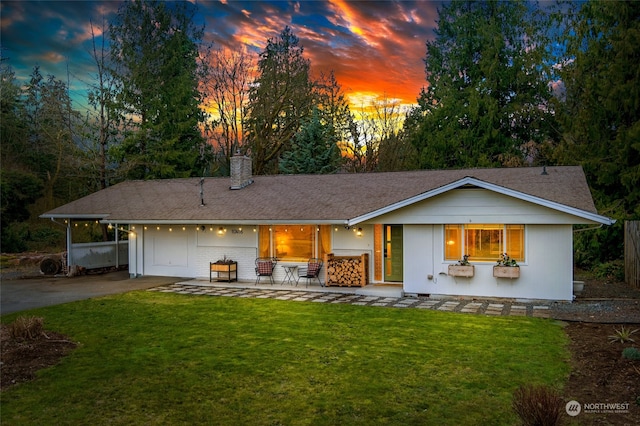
(20, 359)
(599, 373)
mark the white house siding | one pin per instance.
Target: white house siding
(187, 253)
(167, 253)
(347, 243)
(545, 274)
(238, 243)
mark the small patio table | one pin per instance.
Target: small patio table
(289, 274)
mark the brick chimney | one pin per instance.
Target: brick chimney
(240, 171)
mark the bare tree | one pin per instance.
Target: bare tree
(225, 86)
(373, 122)
(100, 96)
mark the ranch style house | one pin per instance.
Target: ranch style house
(432, 232)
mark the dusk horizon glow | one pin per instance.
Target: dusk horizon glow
(376, 49)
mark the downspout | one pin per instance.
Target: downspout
(593, 228)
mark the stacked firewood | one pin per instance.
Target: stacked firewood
(346, 270)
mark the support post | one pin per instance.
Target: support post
(69, 243)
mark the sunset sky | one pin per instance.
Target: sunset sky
(374, 47)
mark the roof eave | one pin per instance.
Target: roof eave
(225, 222)
(85, 216)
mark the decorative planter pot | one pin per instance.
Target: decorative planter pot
(461, 270)
(506, 272)
(578, 286)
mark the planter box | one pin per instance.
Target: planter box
(225, 271)
(461, 270)
(506, 272)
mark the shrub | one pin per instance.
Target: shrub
(631, 353)
(11, 239)
(613, 270)
(623, 335)
(538, 405)
(27, 328)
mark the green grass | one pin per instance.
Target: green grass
(155, 358)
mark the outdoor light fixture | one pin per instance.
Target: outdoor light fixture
(359, 232)
(220, 230)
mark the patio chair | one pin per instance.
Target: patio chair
(311, 271)
(265, 267)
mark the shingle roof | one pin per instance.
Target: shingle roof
(310, 198)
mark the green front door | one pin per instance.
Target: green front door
(393, 258)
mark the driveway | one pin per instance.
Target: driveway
(36, 292)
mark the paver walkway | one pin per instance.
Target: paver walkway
(485, 307)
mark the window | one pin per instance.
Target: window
(294, 242)
(484, 242)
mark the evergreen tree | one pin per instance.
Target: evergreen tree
(314, 150)
(154, 51)
(280, 99)
(600, 111)
(600, 116)
(53, 129)
(19, 186)
(487, 97)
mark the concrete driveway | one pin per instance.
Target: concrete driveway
(22, 294)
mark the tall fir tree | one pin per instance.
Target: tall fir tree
(154, 50)
(280, 99)
(600, 116)
(487, 100)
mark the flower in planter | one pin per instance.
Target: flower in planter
(464, 261)
(224, 261)
(505, 260)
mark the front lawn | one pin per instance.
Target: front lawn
(155, 358)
